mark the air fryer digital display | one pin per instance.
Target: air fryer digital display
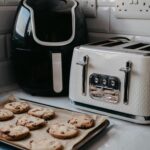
(105, 88)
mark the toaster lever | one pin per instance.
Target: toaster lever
(84, 64)
(127, 72)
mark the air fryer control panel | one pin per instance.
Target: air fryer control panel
(105, 88)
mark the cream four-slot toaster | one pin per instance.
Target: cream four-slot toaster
(112, 77)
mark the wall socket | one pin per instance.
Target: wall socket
(133, 9)
(89, 7)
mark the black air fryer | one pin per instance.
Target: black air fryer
(45, 34)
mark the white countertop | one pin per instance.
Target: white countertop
(120, 135)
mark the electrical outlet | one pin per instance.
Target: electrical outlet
(133, 9)
(89, 7)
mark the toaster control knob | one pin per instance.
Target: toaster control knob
(104, 82)
(96, 80)
(113, 83)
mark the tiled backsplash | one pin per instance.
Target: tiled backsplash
(7, 15)
(9, 2)
(107, 25)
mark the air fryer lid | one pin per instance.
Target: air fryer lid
(52, 21)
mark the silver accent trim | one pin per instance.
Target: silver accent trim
(99, 95)
(84, 65)
(127, 72)
(52, 43)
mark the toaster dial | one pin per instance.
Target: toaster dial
(105, 88)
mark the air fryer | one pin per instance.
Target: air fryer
(45, 34)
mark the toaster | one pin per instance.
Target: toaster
(112, 77)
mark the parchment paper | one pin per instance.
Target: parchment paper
(62, 115)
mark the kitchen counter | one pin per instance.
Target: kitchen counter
(120, 135)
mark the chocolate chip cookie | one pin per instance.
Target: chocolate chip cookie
(14, 133)
(5, 115)
(44, 113)
(11, 98)
(82, 121)
(45, 144)
(63, 131)
(17, 107)
(31, 122)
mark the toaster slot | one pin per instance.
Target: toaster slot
(145, 48)
(115, 44)
(136, 46)
(147, 118)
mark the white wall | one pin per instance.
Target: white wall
(107, 25)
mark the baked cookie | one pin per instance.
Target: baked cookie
(17, 107)
(45, 144)
(82, 121)
(63, 131)
(13, 133)
(11, 98)
(31, 122)
(5, 115)
(44, 113)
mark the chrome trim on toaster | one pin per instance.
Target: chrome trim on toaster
(127, 72)
(99, 94)
(84, 64)
(104, 88)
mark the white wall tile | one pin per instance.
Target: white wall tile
(2, 2)
(101, 22)
(8, 46)
(2, 48)
(129, 26)
(12, 2)
(6, 74)
(106, 2)
(7, 14)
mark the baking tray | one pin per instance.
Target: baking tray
(62, 115)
